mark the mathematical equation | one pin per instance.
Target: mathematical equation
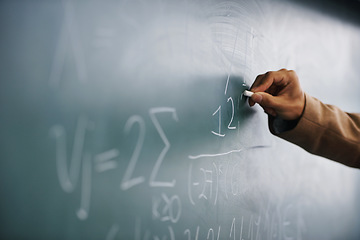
(105, 161)
(270, 223)
(206, 182)
(209, 178)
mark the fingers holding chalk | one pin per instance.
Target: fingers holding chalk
(248, 93)
(252, 98)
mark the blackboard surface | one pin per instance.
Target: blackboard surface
(124, 120)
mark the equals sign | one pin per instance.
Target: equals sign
(106, 161)
(103, 37)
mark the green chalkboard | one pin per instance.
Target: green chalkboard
(125, 120)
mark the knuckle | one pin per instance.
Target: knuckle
(292, 74)
(291, 71)
(269, 74)
(259, 76)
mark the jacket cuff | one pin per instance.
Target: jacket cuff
(278, 125)
(294, 131)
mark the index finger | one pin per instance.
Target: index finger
(264, 83)
(258, 82)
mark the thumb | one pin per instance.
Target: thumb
(264, 99)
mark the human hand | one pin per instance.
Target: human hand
(279, 93)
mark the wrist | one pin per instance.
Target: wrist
(279, 125)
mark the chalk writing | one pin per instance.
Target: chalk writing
(127, 181)
(213, 155)
(250, 227)
(205, 187)
(232, 113)
(105, 161)
(153, 182)
(188, 233)
(68, 177)
(166, 209)
(213, 234)
(83, 211)
(218, 110)
(219, 113)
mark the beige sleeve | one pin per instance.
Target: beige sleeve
(327, 131)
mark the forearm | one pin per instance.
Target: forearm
(327, 131)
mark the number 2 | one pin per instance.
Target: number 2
(218, 110)
(232, 113)
(127, 182)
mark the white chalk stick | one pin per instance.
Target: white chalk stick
(248, 93)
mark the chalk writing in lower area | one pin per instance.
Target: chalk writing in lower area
(187, 233)
(268, 224)
(213, 234)
(166, 208)
(206, 182)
